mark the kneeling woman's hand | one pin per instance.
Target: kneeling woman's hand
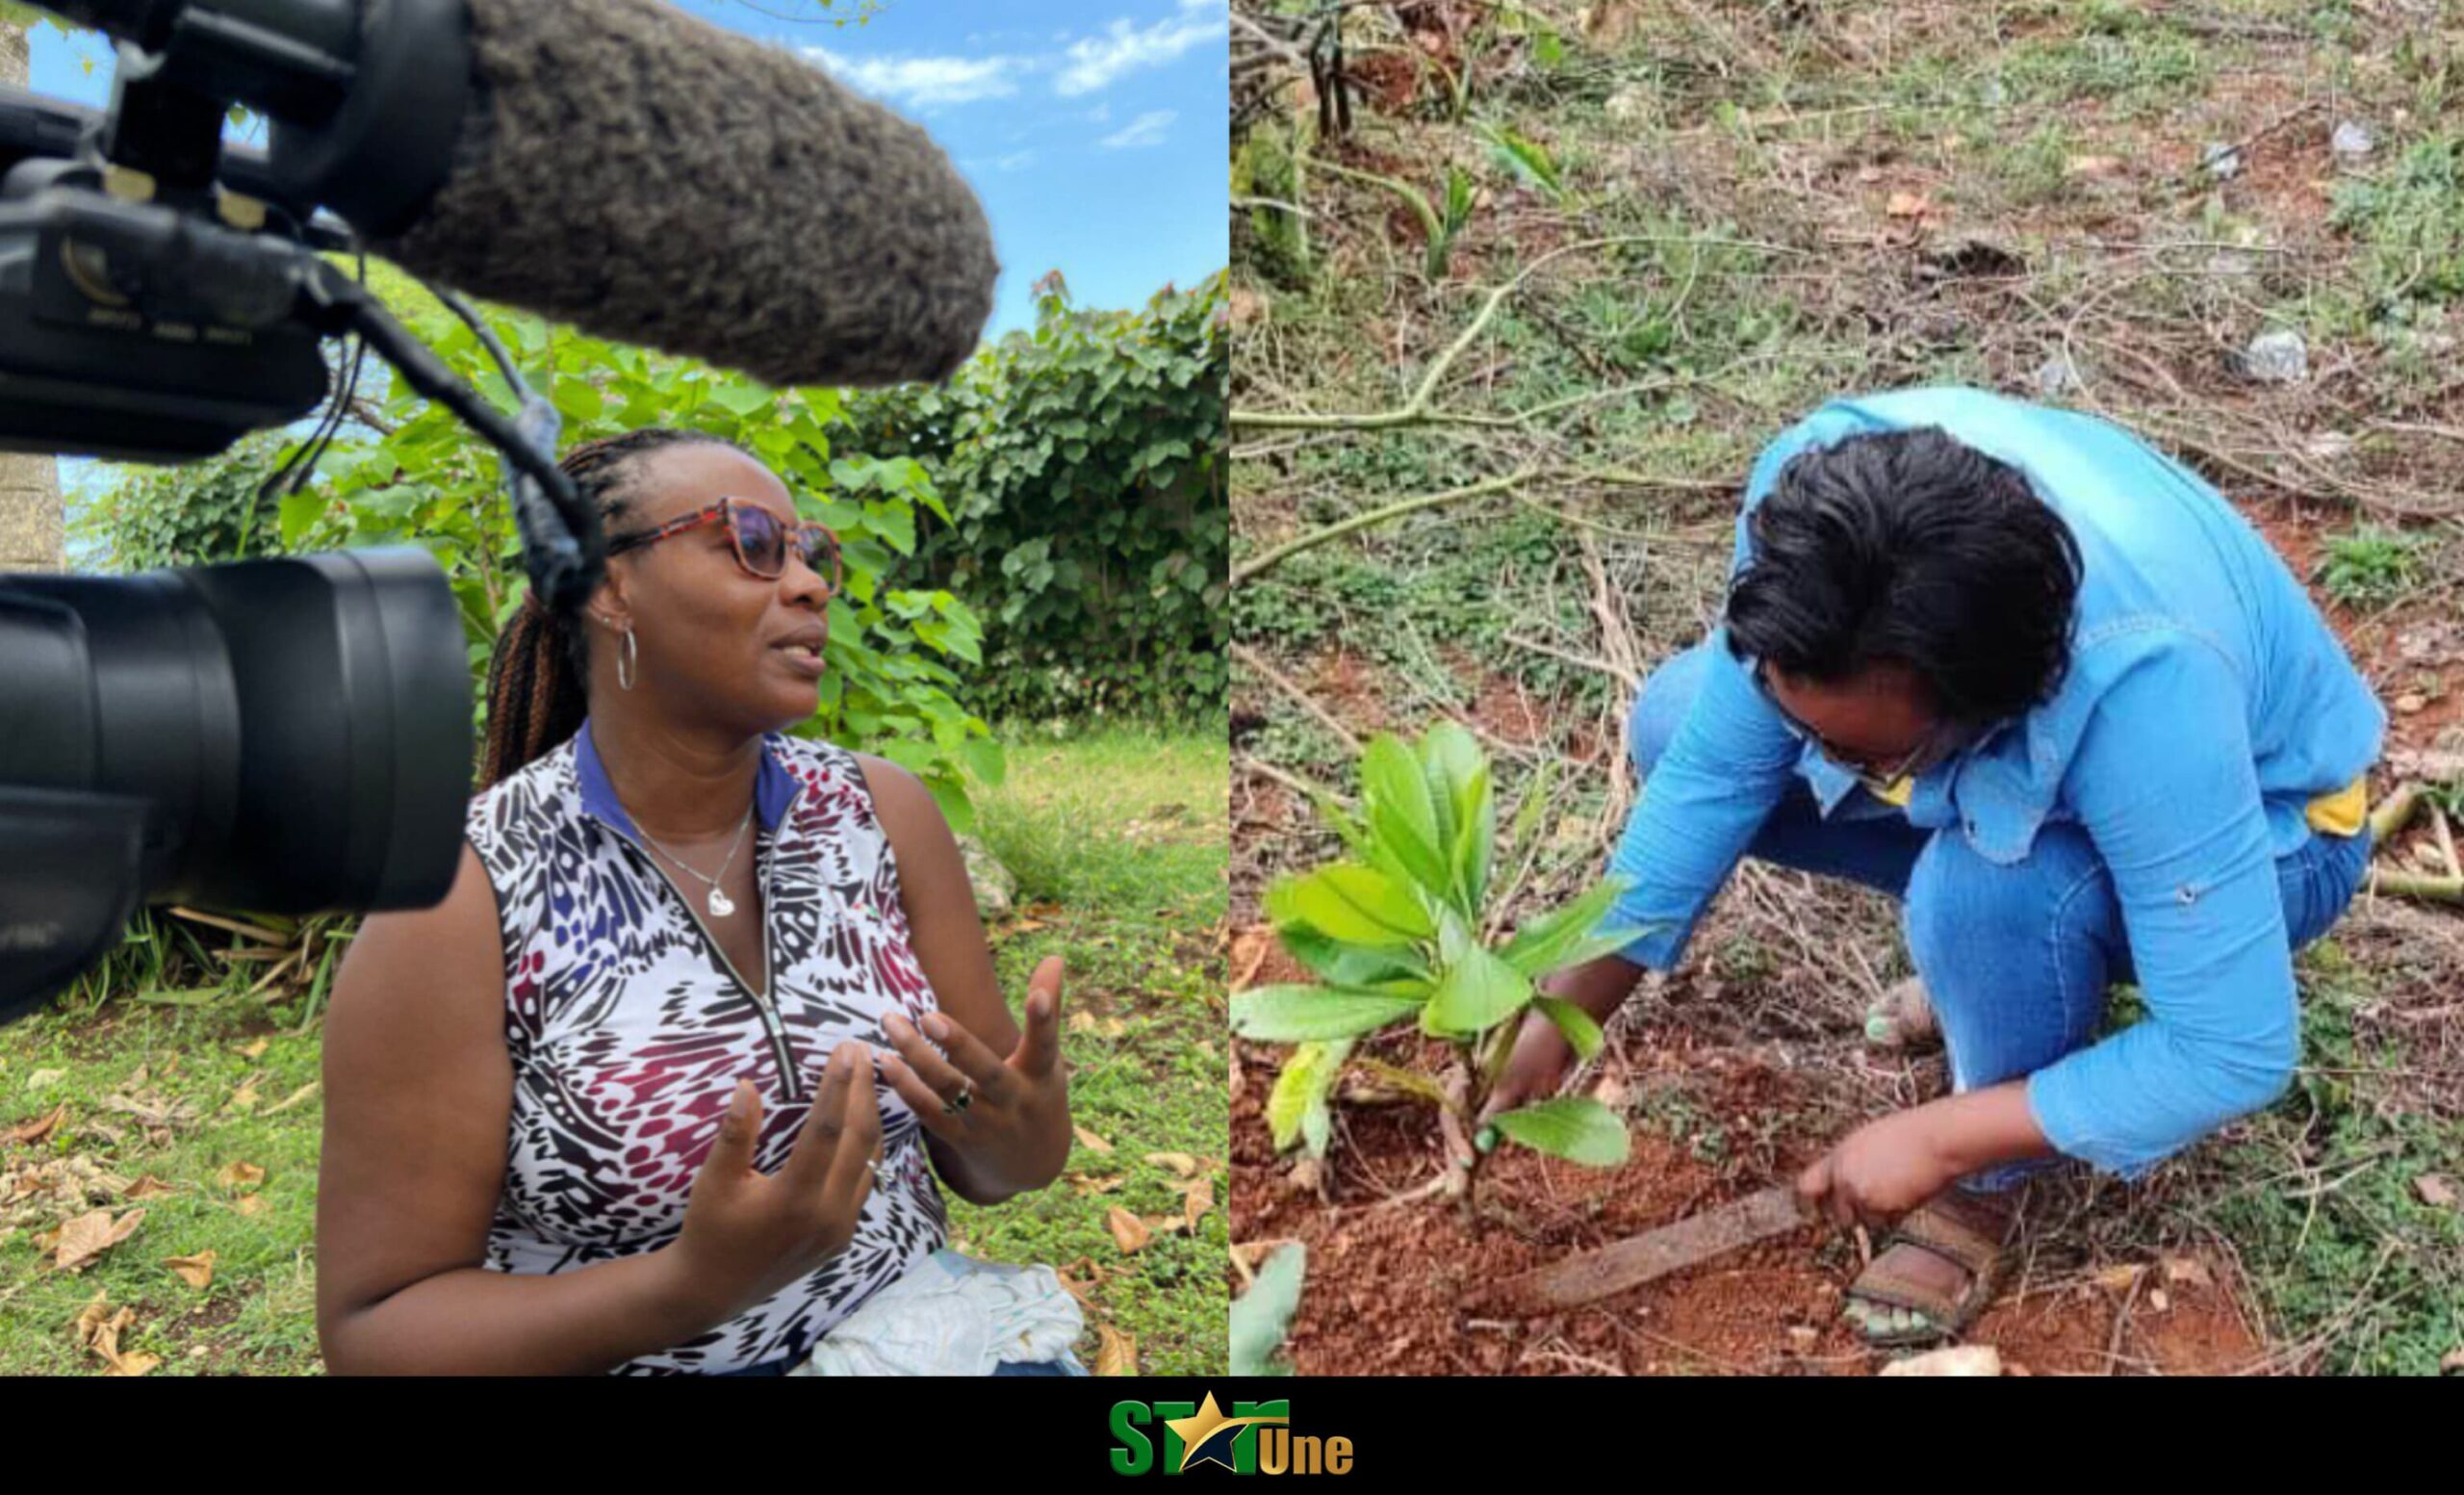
(747, 1234)
(1006, 1120)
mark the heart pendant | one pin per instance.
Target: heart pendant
(721, 904)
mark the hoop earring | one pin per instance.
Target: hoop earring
(624, 662)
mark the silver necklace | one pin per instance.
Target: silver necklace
(720, 903)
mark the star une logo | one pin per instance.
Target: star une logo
(1254, 1438)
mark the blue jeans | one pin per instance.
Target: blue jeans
(2016, 960)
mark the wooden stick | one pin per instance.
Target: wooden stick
(2394, 813)
(1280, 680)
(2408, 885)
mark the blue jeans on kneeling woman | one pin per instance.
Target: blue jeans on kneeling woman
(2017, 958)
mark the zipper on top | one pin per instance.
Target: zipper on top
(761, 1000)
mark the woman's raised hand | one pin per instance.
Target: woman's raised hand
(1013, 1128)
(747, 1234)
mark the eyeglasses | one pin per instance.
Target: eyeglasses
(1876, 780)
(759, 537)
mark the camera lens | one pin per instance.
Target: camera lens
(280, 737)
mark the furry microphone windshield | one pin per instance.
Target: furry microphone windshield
(650, 178)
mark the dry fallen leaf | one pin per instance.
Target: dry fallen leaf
(43, 1077)
(1090, 1141)
(251, 1203)
(1116, 1354)
(2436, 1190)
(255, 1050)
(2093, 167)
(245, 1098)
(1082, 1021)
(2119, 1279)
(1180, 1163)
(92, 1233)
(240, 1176)
(90, 1317)
(147, 1186)
(1075, 1289)
(2452, 1362)
(293, 1100)
(1908, 205)
(105, 1342)
(1249, 950)
(2187, 1268)
(2157, 1299)
(1086, 1186)
(1199, 1199)
(1129, 1232)
(196, 1271)
(39, 1127)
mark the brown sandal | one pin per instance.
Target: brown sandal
(1956, 1225)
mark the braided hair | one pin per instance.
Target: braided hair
(538, 675)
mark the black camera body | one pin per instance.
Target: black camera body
(97, 358)
(286, 736)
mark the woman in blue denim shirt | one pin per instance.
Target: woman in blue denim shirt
(2046, 688)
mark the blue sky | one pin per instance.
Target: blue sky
(1093, 130)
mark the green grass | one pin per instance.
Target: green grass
(1120, 843)
(257, 1314)
(2321, 1194)
(2368, 566)
(1130, 894)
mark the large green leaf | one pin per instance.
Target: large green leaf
(1343, 965)
(1357, 904)
(1475, 993)
(1261, 1317)
(1570, 934)
(1401, 813)
(1299, 1095)
(1305, 1015)
(1574, 1022)
(1475, 838)
(1575, 1128)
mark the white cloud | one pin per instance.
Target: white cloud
(1147, 129)
(1015, 161)
(1094, 61)
(1099, 114)
(923, 80)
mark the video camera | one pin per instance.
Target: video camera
(283, 735)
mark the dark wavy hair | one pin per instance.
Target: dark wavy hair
(538, 673)
(1913, 548)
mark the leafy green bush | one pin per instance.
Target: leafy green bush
(1394, 933)
(1089, 512)
(188, 515)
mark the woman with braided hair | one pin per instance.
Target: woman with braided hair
(666, 1083)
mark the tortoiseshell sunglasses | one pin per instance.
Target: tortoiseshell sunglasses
(757, 536)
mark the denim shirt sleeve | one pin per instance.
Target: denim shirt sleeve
(2184, 837)
(1718, 780)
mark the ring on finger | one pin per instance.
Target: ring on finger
(965, 1098)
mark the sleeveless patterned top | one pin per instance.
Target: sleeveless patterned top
(629, 1029)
